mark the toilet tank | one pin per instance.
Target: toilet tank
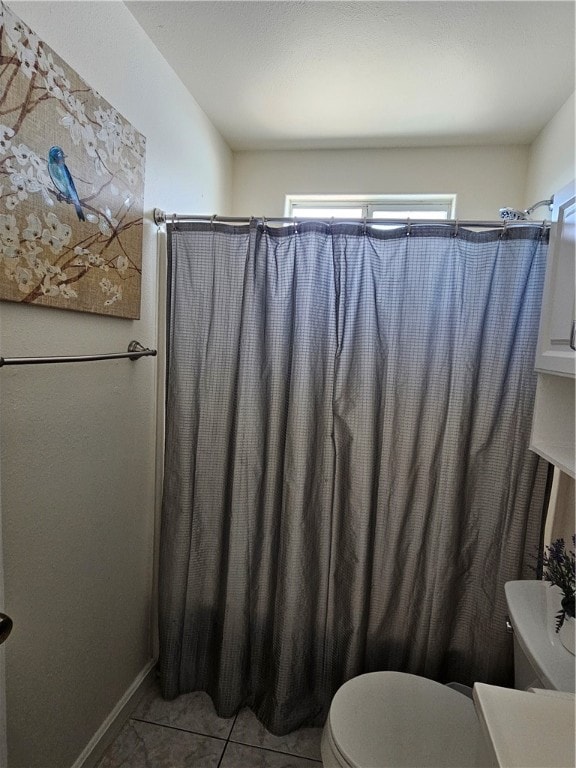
(540, 659)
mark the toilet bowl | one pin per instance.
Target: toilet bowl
(398, 720)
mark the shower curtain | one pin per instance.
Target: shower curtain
(348, 484)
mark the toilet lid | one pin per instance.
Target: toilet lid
(397, 720)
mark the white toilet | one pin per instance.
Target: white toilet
(397, 720)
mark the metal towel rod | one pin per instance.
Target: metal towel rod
(135, 351)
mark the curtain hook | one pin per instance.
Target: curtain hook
(504, 229)
(364, 225)
(543, 228)
(173, 221)
(212, 219)
(295, 225)
(409, 225)
(456, 225)
(264, 222)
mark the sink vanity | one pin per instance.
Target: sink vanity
(526, 729)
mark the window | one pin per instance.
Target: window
(432, 207)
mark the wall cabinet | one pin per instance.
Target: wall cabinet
(553, 426)
(556, 339)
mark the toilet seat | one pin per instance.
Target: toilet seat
(397, 720)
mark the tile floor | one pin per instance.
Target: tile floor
(187, 733)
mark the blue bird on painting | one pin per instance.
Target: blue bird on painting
(62, 179)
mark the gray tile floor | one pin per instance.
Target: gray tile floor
(187, 733)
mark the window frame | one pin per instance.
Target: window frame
(445, 203)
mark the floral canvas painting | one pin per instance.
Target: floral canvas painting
(71, 185)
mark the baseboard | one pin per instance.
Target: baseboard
(111, 727)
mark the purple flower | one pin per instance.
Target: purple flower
(559, 569)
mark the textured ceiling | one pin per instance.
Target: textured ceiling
(283, 75)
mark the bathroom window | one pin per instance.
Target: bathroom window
(383, 207)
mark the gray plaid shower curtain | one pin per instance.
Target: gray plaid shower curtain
(348, 484)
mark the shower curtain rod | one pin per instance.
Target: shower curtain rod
(161, 217)
(135, 351)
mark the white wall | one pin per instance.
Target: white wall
(551, 158)
(484, 178)
(78, 441)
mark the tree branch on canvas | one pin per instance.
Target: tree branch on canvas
(70, 214)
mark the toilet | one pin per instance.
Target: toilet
(399, 720)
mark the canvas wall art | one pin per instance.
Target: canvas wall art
(71, 185)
